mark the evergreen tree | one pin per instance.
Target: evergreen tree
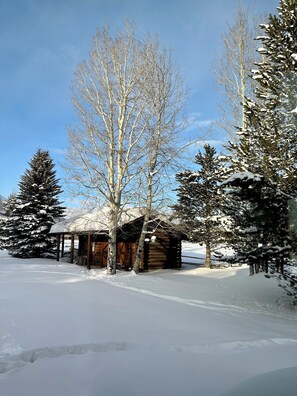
(8, 223)
(199, 202)
(35, 210)
(267, 145)
(293, 223)
(269, 142)
(1, 205)
(253, 220)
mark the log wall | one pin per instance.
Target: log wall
(161, 252)
(164, 253)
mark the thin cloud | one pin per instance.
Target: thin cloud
(195, 121)
(211, 142)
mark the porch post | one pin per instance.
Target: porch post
(72, 249)
(89, 259)
(58, 246)
(63, 244)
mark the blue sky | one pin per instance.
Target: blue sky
(42, 41)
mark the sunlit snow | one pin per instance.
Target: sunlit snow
(66, 331)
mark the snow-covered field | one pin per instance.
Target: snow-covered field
(68, 332)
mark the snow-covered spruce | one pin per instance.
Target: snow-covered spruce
(31, 213)
(199, 207)
(267, 147)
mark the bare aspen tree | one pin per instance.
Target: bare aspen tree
(233, 69)
(105, 144)
(165, 95)
(127, 96)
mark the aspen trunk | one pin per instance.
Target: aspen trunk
(140, 247)
(144, 229)
(242, 82)
(112, 242)
(112, 252)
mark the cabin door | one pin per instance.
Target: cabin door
(125, 254)
(100, 253)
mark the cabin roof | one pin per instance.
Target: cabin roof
(97, 220)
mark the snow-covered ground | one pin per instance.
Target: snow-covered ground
(65, 331)
(193, 253)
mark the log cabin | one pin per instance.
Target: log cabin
(162, 249)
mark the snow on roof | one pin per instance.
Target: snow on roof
(97, 220)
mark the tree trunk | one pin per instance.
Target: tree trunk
(207, 255)
(242, 83)
(112, 252)
(140, 247)
(112, 242)
(146, 219)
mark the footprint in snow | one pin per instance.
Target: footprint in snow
(12, 361)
